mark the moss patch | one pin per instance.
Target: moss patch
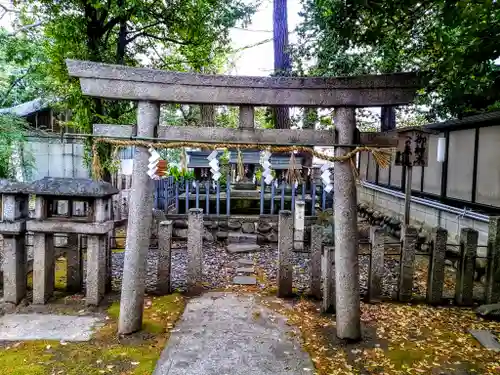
(106, 353)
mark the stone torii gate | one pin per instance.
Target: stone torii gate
(152, 87)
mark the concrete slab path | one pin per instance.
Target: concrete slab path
(229, 334)
(20, 327)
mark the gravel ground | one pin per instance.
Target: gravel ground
(219, 268)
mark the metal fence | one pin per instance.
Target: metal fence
(220, 198)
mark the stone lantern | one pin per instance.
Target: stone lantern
(72, 206)
(13, 216)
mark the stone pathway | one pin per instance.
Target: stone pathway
(19, 327)
(245, 273)
(229, 334)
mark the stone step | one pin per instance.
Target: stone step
(245, 262)
(235, 237)
(245, 270)
(235, 248)
(244, 280)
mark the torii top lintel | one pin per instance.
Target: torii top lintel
(127, 83)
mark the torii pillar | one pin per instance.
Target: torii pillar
(346, 232)
(139, 225)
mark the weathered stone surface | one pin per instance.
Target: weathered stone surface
(195, 250)
(264, 227)
(492, 290)
(180, 224)
(491, 311)
(163, 265)
(74, 265)
(223, 225)
(329, 288)
(486, 338)
(96, 269)
(242, 248)
(71, 187)
(376, 270)
(13, 187)
(261, 239)
(14, 268)
(245, 262)
(244, 280)
(465, 274)
(22, 327)
(245, 270)
(248, 227)
(407, 263)
(139, 225)
(234, 225)
(207, 236)
(181, 233)
(223, 333)
(272, 237)
(43, 267)
(285, 246)
(236, 237)
(316, 250)
(221, 236)
(437, 266)
(346, 232)
(119, 82)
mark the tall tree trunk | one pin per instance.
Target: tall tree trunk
(207, 115)
(282, 63)
(387, 118)
(122, 36)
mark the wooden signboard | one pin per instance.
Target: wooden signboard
(413, 148)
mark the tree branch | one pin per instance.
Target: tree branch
(24, 28)
(145, 27)
(163, 39)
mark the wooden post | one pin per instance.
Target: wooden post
(408, 195)
(346, 233)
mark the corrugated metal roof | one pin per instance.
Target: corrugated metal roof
(249, 156)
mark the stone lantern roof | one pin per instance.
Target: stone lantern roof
(72, 187)
(13, 187)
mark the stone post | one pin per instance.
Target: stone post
(285, 246)
(74, 269)
(139, 225)
(14, 268)
(376, 270)
(436, 266)
(97, 257)
(328, 303)
(492, 289)
(409, 235)
(346, 232)
(43, 267)
(298, 234)
(465, 274)
(96, 269)
(195, 250)
(164, 257)
(316, 253)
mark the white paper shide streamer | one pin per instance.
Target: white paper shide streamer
(153, 164)
(266, 167)
(326, 177)
(213, 162)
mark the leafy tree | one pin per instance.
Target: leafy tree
(12, 140)
(454, 43)
(176, 34)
